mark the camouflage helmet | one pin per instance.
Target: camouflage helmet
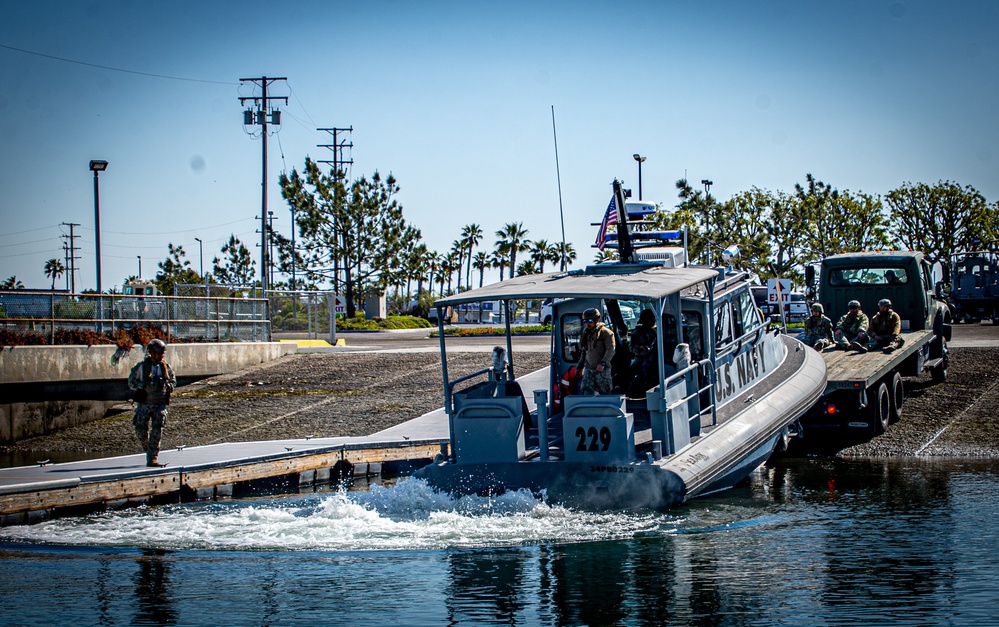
(818, 307)
(853, 303)
(156, 346)
(884, 302)
(591, 314)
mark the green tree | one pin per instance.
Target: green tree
(695, 212)
(458, 257)
(356, 238)
(786, 229)
(416, 268)
(173, 270)
(514, 238)
(566, 254)
(501, 257)
(839, 222)
(236, 267)
(605, 255)
(541, 251)
(472, 234)
(750, 234)
(54, 269)
(481, 262)
(527, 267)
(939, 220)
(12, 283)
(450, 265)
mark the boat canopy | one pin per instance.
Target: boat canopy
(641, 282)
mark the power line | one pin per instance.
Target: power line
(114, 69)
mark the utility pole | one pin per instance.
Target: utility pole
(72, 255)
(65, 263)
(270, 243)
(258, 115)
(337, 147)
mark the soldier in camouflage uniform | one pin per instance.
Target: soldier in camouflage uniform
(885, 328)
(818, 331)
(851, 330)
(598, 347)
(152, 380)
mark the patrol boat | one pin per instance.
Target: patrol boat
(720, 392)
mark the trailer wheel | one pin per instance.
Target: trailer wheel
(939, 373)
(880, 410)
(897, 397)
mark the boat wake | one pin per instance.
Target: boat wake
(406, 516)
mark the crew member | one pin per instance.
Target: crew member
(886, 325)
(597, 343)
(152, 380)
(818, 331)
(851, 330)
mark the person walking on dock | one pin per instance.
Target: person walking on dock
(152, 380)
(598, 347)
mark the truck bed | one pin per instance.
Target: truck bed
(851, 369)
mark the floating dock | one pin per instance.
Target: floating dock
(31, 494)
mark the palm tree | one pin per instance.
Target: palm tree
(452, 262)
(458, 252)
(481, 262)
(499, 258)
(565, 255)
(12, 283)
(434, 265)
(415, 268)
(54, 269)
(472, 234)
(605, 255)
(542, 251)
(514, 235)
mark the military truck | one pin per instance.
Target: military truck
(974, 286)
(139, 302)
(864, 391)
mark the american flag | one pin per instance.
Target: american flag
(610, 218)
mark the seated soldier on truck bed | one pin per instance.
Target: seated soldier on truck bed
(818, 331)
(851, 330)
(885, 328)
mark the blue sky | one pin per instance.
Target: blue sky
(454, 99)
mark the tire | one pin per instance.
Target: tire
(548, 320)
(879, 411)
(897, 397)
(939, 373)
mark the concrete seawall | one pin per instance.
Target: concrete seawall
(44, 388)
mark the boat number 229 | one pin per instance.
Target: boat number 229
(593, 440)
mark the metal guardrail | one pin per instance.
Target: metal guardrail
(207, 318)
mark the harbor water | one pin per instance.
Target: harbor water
(803, 542)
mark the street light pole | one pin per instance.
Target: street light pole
(640, 159)
(97, 166)
(201, 258)
(139, 257)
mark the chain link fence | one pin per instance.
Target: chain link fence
(206, 317)
(294, 311)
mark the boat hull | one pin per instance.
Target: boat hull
(716, 460)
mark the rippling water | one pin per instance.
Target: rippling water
(806, 542)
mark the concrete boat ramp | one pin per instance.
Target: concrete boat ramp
(30, 494)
